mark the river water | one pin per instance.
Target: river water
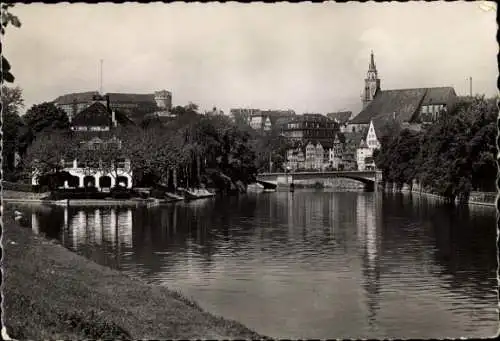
(309, 264)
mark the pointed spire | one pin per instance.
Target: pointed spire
(372, 62)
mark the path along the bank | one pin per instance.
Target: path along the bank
(51, 292)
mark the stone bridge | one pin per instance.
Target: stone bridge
(370, 178)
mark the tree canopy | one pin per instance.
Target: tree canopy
(7, 18)
(13, 128)
(46, 117)
(453, 157)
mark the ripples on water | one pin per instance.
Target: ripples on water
(311, 264)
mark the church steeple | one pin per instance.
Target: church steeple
(372, 82)
(372, 66)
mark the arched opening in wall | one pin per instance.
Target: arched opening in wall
(104, 181)
(122, 181)
(73, 181)
(89, 181)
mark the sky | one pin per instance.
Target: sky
(306, 57)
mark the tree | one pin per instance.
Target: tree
(7, 18)
(47, 151)
(13, 128)
(452, 157)
(46, 117)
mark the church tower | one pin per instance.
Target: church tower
(372, 83)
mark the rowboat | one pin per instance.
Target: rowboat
(197, 193)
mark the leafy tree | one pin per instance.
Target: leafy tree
(452, 157)
(46, 117)
(13, 128)
(47, 151)
(7, 18)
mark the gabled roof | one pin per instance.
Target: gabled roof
(363, 144)
(122, 118)
(95, 115)
(405, 102)
(342, 116)
(77, 97)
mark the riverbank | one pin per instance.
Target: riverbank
(41, 198)
(475, 198)
(53, 293)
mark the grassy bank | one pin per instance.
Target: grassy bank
(51, 292)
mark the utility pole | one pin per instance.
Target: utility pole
(470, 86)
(100, 77)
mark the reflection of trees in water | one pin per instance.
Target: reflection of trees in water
(51, 222)
(464, 240)
(466, 250)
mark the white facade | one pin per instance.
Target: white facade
(361, 154)
(267, 123)
(371, 138)
(256, 122)
(88, 177)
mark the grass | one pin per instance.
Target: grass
(50, 292)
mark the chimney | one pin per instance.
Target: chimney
(113, 118)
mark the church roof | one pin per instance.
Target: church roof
(405, 102)
(385, 125)
(441, 95)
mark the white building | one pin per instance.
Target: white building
(363, 152)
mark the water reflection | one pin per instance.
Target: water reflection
(306, 264)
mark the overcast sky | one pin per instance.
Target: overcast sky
(306, 57)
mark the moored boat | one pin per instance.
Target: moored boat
(255, 187)
(197, 193)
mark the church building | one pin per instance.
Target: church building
(414, 108)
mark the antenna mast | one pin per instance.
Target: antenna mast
(100, 77)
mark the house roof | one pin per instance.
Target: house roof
(363, 144)
(342, 116)
(94, 115)
(77, 97)
(405, 102)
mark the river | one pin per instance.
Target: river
(309, 264)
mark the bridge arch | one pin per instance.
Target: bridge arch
(368, 178)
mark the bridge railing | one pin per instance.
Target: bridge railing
(321, 172)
